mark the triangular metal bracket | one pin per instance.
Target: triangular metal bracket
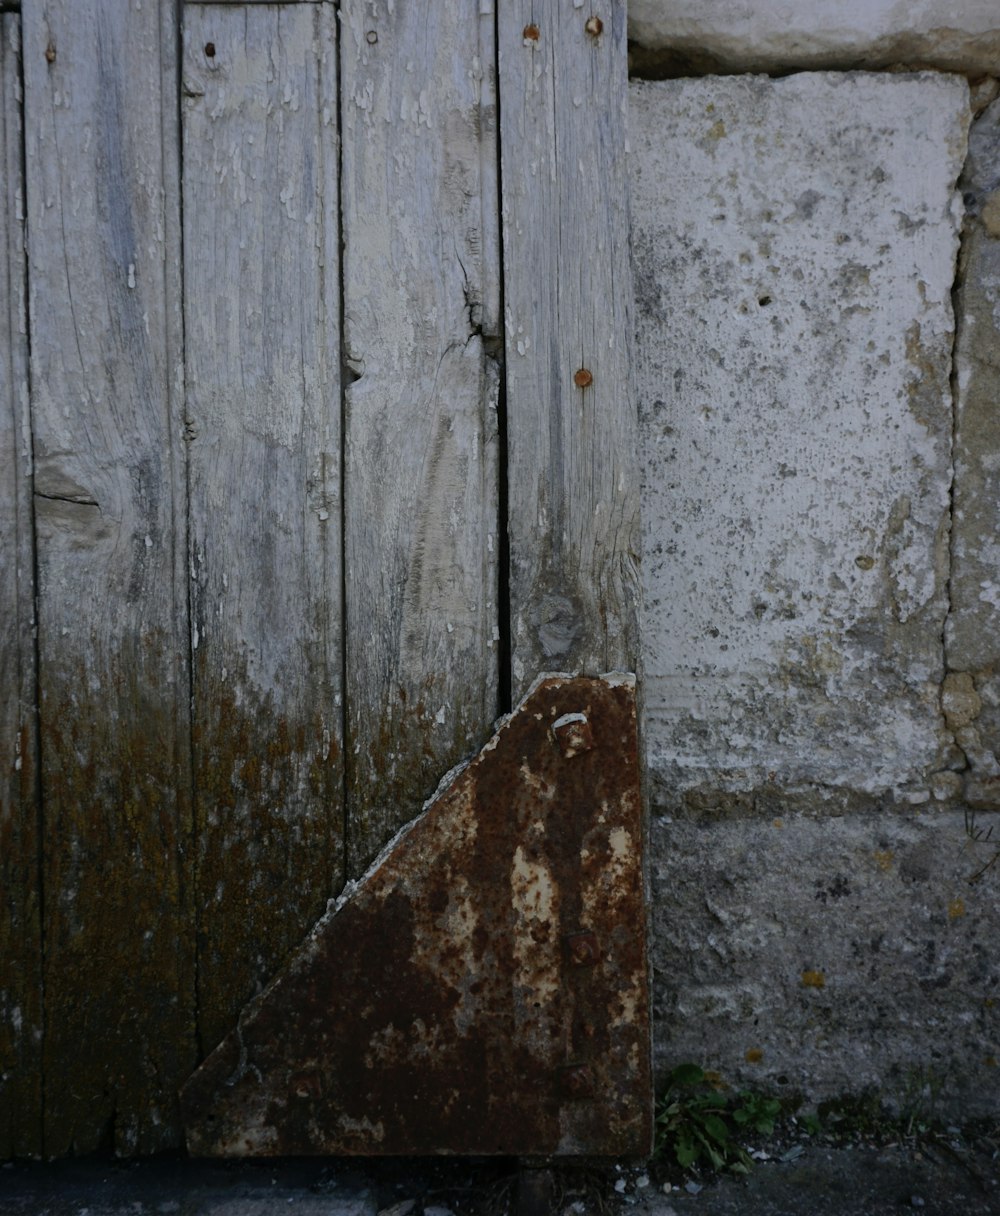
(483, 989)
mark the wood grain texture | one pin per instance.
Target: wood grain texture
(20, 909)
(263, 372)
(421, 278)
(572, 447)
(103, 218)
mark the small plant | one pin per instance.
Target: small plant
(756, 1113)
(921, 1090)
(696, 1124)
(981, 836)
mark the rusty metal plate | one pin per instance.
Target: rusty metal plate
(483, 989)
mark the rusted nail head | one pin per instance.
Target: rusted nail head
(50, 53)
(210, 50)
(594, 26)
(371, 37)
(576, 1081)
(306, 1085)
(583, 949)
(531, 33)
(573, 735)
(583, 378)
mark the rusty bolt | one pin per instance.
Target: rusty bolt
(576, 1081)
(50, 53)
(583, 949)
(306, 1085)
(209, 50)
(371, 37)
(583, 378)
(573, 735)
(594, 26)
(531, 33)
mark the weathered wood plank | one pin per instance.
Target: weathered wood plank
(261, 296)
(572, 446)
(421, 276)
(20, 912)
(103, 218)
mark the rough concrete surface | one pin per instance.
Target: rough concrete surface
(692, 36)
(794, 251)
(973, 627)
(837, 1182)
(821, 956)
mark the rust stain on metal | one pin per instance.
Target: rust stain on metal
(482, 989)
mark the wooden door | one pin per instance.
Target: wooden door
(317, 446)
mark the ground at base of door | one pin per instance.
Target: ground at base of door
(822, 1180)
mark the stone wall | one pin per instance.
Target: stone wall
(821, 498)
(679, 36)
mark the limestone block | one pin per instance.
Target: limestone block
(732, 35)
(794, 253)
(826, 957)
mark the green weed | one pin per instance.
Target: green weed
(698, 1125)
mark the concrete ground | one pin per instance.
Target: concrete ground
(822, 1181)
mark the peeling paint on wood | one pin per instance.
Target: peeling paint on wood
(103, 217)
(263, 420)
(20, 912)
(421, 284)
(483, 988)
(574, 506)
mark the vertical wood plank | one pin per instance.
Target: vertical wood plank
(263, 364)
(421, 276)
(572, 446)
(20, 913)
(103, 221)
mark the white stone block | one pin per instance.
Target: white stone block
(794, 249)
(956, 35)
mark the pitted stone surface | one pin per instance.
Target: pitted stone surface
(732, 35)
(795, 244)
(809, 955)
